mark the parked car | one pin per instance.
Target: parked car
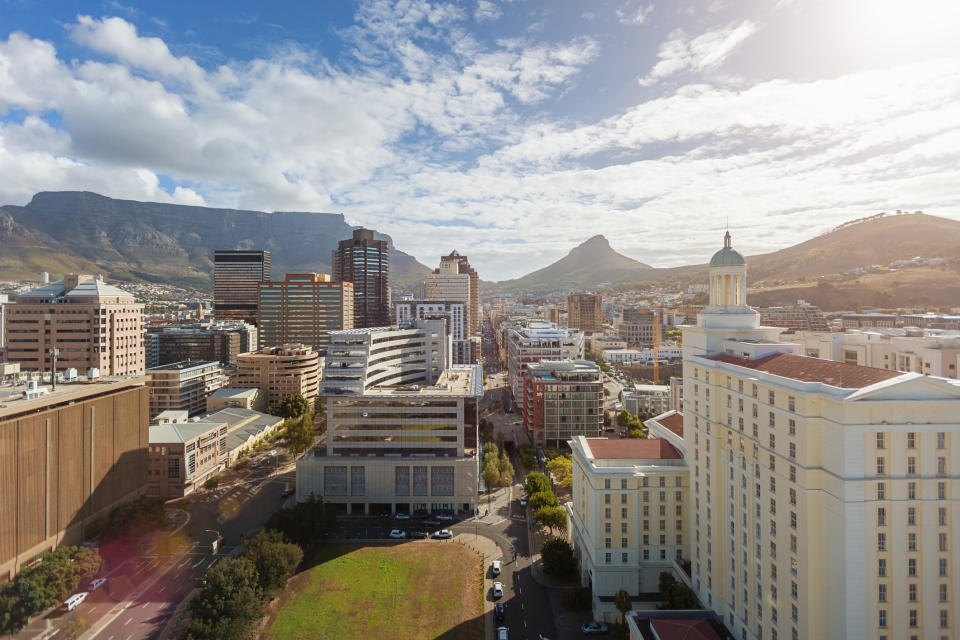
(444, 518)
(74, 601)
(499, 612)
(523, 501)
(443, 534)
(431, 522)
(502, 633)
(593, 628)
(497, 589)
(97, 583)
(420, 535)
(495, 567)
(402, 516)
(397, 533)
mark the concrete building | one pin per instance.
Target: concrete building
(628, 517)
(183, 455)
(406, 449)
(823, 492)
(629, 356)
(646, 399)
(4, 299)
(584, 312)
(279, 372)
(365, 263)
(474, 309)
(245, 398)
(448, 283)
(236, 276)
(636, 326)
(797, 317)
(531, 341)
(220, 341)
(465, 348)
(905, 350)
(304, 308)
(870, 321)
(562, 399)
(67, 457)
(90, 323)
(600, 343)
(676, 394)
(361, 359)
(245, 428)
(183, 386)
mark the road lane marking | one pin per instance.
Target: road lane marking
(129, 620)
(147, 604)
(212, 562)
(197, 564)
(162, 587)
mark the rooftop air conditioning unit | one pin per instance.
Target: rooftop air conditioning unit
(93, 373)
(70, 374)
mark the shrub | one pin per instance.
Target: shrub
(212, 482)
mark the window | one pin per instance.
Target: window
(623, 543)
(606, 498)
(623, 484)
(882, 567)
(941, 491)
(911, 440)
(912, 490)
(943, 567)
(913, 614)
(608, 557)
(912, 567)
(646, 554)
(606, 527)
(941, 440)
(793, 473)
(623, 498)
(624, 557)
(942, 540)
(606, 512)
(881, 542)
(912, 592)
(911, 516)
(791, 404)
(941, 465)
(880, 466)
(911, 542)
(881, 516)
(944, 619)
(792, 427)
(880, 441)
(942, 517)
(943, 592)
(623, 512)
(882, 618)
(772, 420)
(663, 554)
(607, 542)
(881, 592)
(911, 465)
(773, 441)
(793, 449)
(606, 483)
(173, 467)
(793, 497)
(771, 397)
(881, 491)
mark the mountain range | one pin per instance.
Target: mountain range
(71, 231)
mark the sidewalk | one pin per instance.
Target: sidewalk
(490, 551)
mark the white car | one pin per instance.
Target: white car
(495, 567)
(74, 601)
(96, 584)
(397, 533)
(497, 589)
(443, 534)
(402, 516)
(523, 501)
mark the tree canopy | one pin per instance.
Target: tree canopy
(558, 558)
(552, 517)
(537, 482)
(294, 405)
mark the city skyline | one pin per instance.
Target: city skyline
(498, 128)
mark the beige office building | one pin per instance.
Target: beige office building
(279, 372)
(450, 284)
(304, 308)
(824, 493)
(585, 312)
(183, 386)
(90, 323)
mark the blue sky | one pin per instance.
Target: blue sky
(509, 130)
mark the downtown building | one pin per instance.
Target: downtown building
(68, 456)
(279, 372)
(824, 494)
(637, 326)
(183, 386)
(585, 312)
(529, 342)
(183, 454)
(465, 349)
(91, 324)
(796, 317)
(562, 399)
(365, 262)
(222, 341)
(474, 308)
(303, 308)
(236, 275)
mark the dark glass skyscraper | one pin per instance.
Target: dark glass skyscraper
(366, 263)
(236, 276)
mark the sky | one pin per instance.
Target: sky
(509, 130)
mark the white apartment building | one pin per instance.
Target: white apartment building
(630, 356)
(627, 520)
(905, 350)
(360, 359)
(405, 449)
(464, 348)
(823, 493)
(449, 284)
(650, 399)
(535, 340)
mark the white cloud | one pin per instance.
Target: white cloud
(702, 53)
(487, 11)
(629, 14)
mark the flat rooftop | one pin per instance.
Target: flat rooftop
(458, 381)
(185, 365)
(13, 402)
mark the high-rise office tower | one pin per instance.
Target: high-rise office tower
(464, 267)
(450, 282)
(584, 312)
(366, 263)
(304, 308)
(236, 275)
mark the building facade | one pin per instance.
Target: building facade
(407, 449)
(465, 348)
(279, 372)
(67, 457)
(448, 283)
(474, 308)
(636, 326)
(183, 455)
(797, 317)
(365, 262)
(647, 399)
(361, 359)
(823, 492)
(91, 325)
(183, 386)
(220, 341)
(562, 399)
(530, 342)
(585, 312)
(628, 517)
(236, 275)
(303, 308)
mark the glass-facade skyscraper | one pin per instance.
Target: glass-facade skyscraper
(236, 276)
(366, 263)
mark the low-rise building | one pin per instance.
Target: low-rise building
(630, 356)
(647, 399)
(183, 386)
(796, 317)
(562, 399)
(245, 428)
(599, 344)
(530, 341)
(627, 517)
(241, 397)
(279, 372)
(183, 455)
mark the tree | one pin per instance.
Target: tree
(537, 482)
(676, 594)
(505, 468)
(305, 523)
(621, 600)
(562, 469)
(294, 405)
(606, 392)
(552, 517)
(18, 601)
(299, 433)
(558, 558)
(607, 418)
(491, 476)
(543, 499)
(232, 592)
(275, 558)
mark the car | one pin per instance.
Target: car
(74, 601)
(402, 516)
(499, 612)
(497, 589)
(523, 501)
(444, 518)
(495, 567)
(502, 633)
(97, 583)
(593, 628)
(287, 491)
(430, 522)
(443, 534)
(397, 533)
(420, 535)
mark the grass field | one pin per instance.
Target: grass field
(412, 590)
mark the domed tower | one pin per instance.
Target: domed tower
(728, 280)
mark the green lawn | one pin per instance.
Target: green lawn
(423, 589)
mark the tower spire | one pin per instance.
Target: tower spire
(726, 240)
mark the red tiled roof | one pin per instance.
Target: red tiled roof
(632, 448)
(683, 630)
(806, 369)
(674, 422)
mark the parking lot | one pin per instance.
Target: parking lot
(379, 527)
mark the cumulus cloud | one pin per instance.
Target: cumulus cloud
(707, 51)
(487, 11)
(630, 14)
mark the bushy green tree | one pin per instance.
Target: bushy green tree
(543, 499)
(294, 405)
(552, 517)
(232, 593)
(561, 468)
(305, 523)
(275, 559)
(621, 600)
(299, 433)
(537, 482)
(558, 558)
(491, 476)
(676, 594)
